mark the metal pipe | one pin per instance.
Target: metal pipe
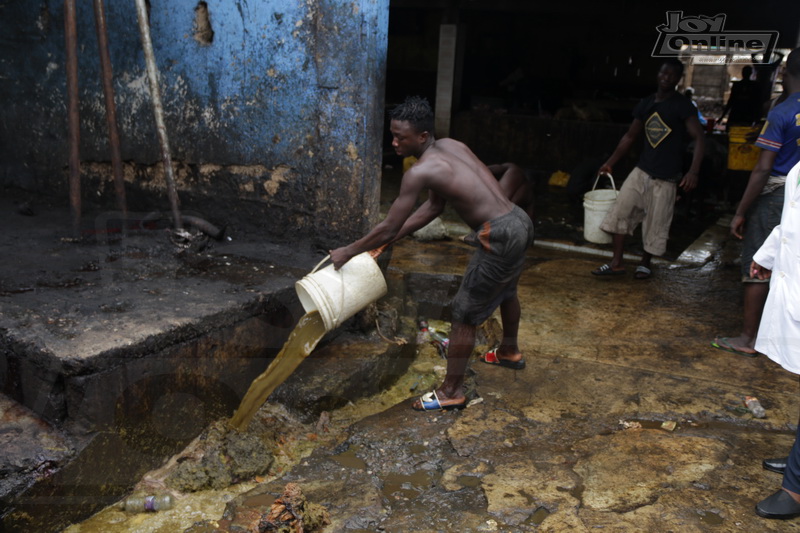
(158, 110)
(73, 114)
(111, 110)
(205, 226)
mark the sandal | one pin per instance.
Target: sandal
(430, 402)
(490, 358)
(606, 270)
(642, 272)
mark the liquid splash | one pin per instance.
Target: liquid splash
(301, 342)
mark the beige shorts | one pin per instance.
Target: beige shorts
(647, 201)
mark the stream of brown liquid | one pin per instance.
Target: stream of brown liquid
(301, 342)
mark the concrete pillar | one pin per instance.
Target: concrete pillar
(445, 78)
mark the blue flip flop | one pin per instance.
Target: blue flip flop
(430, 402)
(721, 343)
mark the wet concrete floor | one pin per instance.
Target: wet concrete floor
(625, 418)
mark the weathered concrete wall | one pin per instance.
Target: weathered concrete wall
(280, 109)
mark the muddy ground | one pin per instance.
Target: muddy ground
(625, 419)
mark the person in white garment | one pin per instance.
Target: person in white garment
(778, 260)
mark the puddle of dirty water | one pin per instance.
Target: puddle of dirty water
(538, 516)
(301, 342)
(259, 501)
(470, 482)
(417, 449)
(711, 518)
(349, 459)
(408, 486)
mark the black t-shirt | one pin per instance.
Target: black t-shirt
(665, 135)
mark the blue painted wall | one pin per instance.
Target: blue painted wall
(281, 114)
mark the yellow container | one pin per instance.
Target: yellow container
(742, 154)
(408, 162)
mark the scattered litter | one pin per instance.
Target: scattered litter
(630, 424)
(475, 401)
(754, 406)
(669, 425)
(292, 512)
(151, 504)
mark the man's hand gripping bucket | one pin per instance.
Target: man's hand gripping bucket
(596, 204)
(340, 294)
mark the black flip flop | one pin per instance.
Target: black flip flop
(606, 270)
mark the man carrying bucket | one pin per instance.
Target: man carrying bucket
(648, 195)
(452, 173)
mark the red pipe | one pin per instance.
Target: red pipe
(111, 110)
(73, 115)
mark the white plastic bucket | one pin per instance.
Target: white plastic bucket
(596, 204)
(339, 294)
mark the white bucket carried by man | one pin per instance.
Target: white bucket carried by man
(340, 294)
(596, 204)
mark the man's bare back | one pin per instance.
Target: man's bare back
(450, 169)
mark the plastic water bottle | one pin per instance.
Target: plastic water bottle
(147, 504)
(755, 407)
(424, 335)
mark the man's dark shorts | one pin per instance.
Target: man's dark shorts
(762, 217)
(494, 270)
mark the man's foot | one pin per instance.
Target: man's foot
(492, 358)
(608, 270)
(432, 402)
(775, 465)
(781, 505)
(734, 345)
(642, 272)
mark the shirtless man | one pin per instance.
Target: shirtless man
(451, 172)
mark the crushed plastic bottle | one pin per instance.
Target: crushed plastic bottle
(755, 407)
(147, 504)
(437, 338)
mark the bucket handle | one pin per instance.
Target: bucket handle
(613, 185)
(373, 253)
(320, 263)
